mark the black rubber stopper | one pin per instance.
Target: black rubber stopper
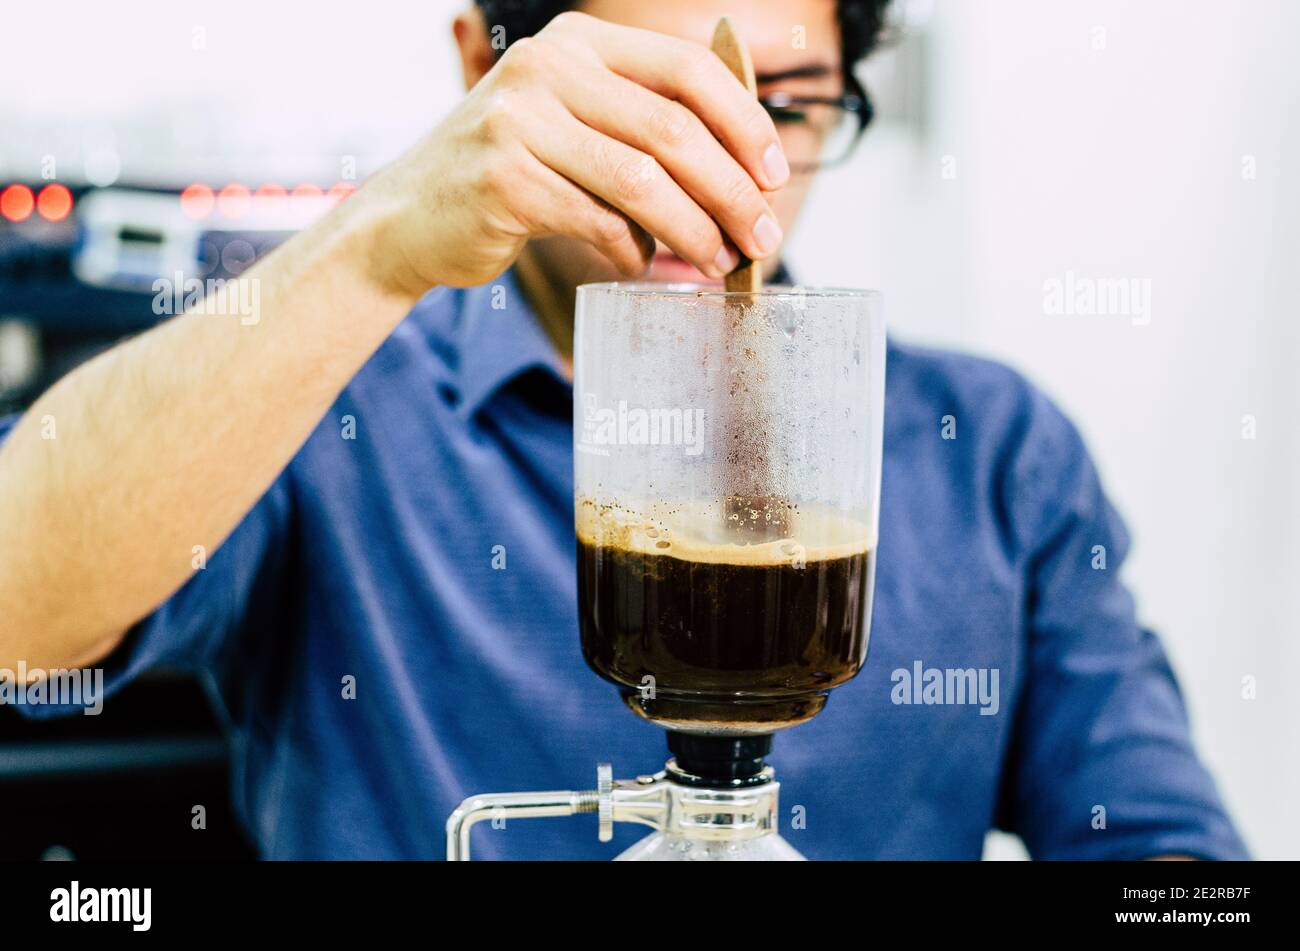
(720, 760)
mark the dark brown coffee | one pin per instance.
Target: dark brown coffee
(723, 638)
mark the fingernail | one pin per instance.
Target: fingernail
(725, 261)
(775, 166)
(767, 233)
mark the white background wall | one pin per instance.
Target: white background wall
(1105, 138)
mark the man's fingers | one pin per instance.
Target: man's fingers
(633, 182)
(677, 138)
(552, 204)
(694, 76)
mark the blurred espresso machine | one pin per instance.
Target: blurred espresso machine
(727, 482)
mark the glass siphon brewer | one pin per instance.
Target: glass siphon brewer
(727, 458)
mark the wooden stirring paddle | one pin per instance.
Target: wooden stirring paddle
(750, 516)
(747, 276)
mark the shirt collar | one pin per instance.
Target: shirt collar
(499, 338)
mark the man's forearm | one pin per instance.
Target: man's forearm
(165, 442)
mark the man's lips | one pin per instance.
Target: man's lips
(671, 268)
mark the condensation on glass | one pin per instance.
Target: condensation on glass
(727, 467)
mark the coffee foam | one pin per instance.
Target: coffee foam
(684, 531)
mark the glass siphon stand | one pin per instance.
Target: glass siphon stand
(714, 800)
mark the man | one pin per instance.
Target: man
(308, 508)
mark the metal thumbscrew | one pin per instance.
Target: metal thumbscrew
(605, 800)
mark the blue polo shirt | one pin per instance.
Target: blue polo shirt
(393, 627)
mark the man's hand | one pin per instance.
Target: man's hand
(592, 130)
(583, 130)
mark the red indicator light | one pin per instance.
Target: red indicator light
(54, 202)
(234, 200)
(197, 201)
(272, 197)
(307, 190)
(16, 202)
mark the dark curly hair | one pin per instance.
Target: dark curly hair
(861, 21)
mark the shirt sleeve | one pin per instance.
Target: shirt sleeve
(199, 627)
(1102, 764)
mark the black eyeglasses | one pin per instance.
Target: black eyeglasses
(819, 132)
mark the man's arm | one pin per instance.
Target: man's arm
(600, 132)
(1102, 764)
(165, 442)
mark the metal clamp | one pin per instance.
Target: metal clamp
(605, 801)
(655, 801)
